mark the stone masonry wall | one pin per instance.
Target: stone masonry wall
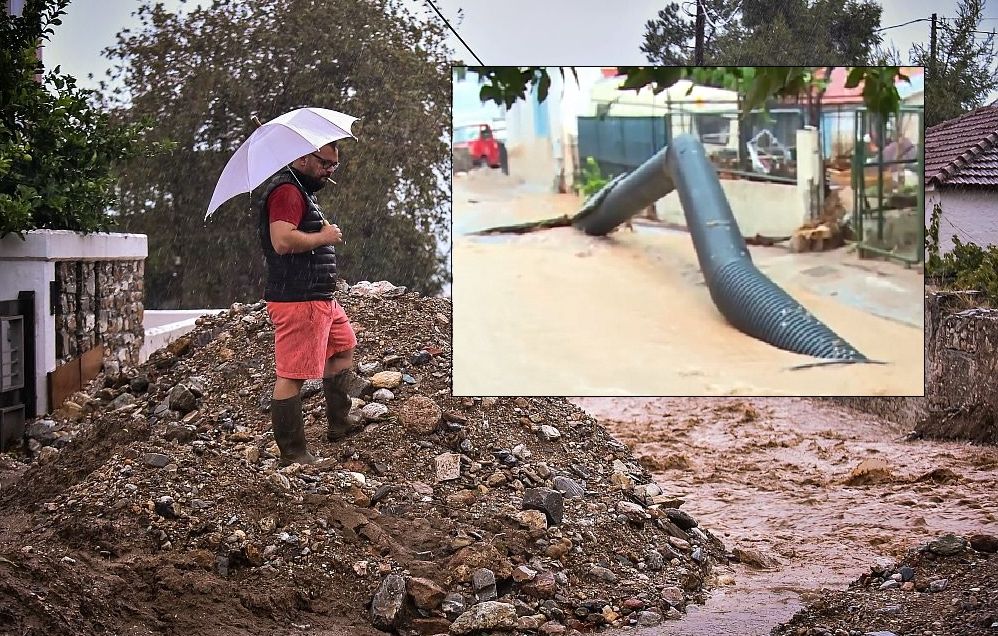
(961, 357)
(99, 302)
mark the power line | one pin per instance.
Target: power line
(894, 26)
(480, 62)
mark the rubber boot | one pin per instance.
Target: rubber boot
(339, 422)
(289, 431)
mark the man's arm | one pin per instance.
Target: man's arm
(288, 239)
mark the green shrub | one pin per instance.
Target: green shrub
(592, 179)
(57, 151)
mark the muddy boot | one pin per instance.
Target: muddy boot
(289, 431)
(338, 419)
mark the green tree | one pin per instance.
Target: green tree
(756, 32)
(963, 73)
(670, 38)
(57, 150)
(202, 74)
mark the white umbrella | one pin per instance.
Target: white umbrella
(274, 145)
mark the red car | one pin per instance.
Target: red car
(481, 144)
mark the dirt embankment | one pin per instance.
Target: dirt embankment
(154, 503)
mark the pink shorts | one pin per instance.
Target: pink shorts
(308, 333)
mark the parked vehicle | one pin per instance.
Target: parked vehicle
(480, 143)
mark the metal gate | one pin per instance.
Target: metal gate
(889, 213)
(17, 373)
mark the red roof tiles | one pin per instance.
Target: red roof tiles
(964, 150)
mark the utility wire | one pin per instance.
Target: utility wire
(894, 26)
(480, 62)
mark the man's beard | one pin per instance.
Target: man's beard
(311, 184)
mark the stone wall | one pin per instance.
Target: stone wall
(961, 358)
(99, 302)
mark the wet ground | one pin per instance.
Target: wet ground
(556, 312)
(810, 494)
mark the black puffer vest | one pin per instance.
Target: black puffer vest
(296, 277)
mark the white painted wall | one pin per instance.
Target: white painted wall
(29, 265)
(970, 214)
(769, 209)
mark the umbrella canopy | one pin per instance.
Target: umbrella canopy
(274, 145)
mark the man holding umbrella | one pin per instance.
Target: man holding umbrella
(312, 335)
(294, 155)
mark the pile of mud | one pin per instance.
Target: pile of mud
(154, 501)
(944, 588)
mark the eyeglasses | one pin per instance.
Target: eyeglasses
(326, 164)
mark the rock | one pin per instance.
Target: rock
(673, 596)
(552, 628)
(484, 616)
(420, 414)
(938, 585)
(180, 433)
(47, 454)
(43, 430)
(550, 502)
(532, 519)
(374, 412)
(541, 586)
(621, 481)
(166, 507)
(139, 384)
(654, 560)
(122, 401)
(310, 388)
(680, 518)
(603, 574)
(524, 573)
(453, 605)
(906, 573)
(425, 593)
(635, 513)
(182, 400)
(984, 543)
(462, 498)
(559, 548)
(383, 395)
(489, 402)
(569, 487)
(356, 385)
(156, 460)
(755, 558)
(947, 545)
(483, 581)
(447, 466)
(388, 603)
(386, 379)
(529, 623)
(420, 358)
(480, 555)
(648, 619)
(889, 584)
(369, 368)
(548, 433)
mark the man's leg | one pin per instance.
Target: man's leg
(334, 387)
(287, 421)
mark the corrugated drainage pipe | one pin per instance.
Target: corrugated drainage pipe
(745, 296)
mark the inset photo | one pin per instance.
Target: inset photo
(684, 231)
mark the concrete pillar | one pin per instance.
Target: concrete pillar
(809, 169)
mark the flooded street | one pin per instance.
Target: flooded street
(557, 312)
(812, 493)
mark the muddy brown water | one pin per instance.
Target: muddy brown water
(557, 312)
(823, 491)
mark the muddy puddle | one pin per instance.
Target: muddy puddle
(809, 494)
(556, 312)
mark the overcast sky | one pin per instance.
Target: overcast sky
(513, 32)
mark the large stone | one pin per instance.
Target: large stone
(420, 414)
(386, 379)
(484, 616)
(483, 581)
(948, 545)
(480, 555)
(374, 411)
(182, 400)
(447, 466)
(388, 603)
(550, 502)
(425, 593)
(569, 487)
(541, 586)
(532, 519)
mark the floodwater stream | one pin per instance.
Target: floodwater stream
(556, 312)
(814, 493)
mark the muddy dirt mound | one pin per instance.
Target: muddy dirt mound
(974, 423)
(945, 588)
(154, 501)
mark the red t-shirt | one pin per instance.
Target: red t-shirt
(286, 203)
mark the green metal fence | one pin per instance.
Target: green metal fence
(889, 214)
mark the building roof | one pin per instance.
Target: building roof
(963, 151)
